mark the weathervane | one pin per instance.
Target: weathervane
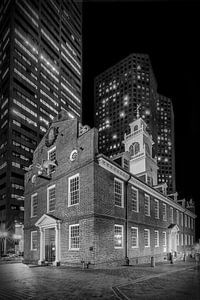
(137, 110)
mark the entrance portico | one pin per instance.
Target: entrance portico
(49, 227)
(173, 231)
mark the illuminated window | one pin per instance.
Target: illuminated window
(34, 204)
(118, 236)
(164, 239)
(147, 205)
(52, 157)
(134, 148)
(186, 239)
(171, 215)
(164, 212)
(177, 217)
(74, 237)
(146, 238)
(74, 190)
(34, 241)
(134, 198)
(118, 192)
(51, 198)
(156, 238)
(134, 237)
(156, 208)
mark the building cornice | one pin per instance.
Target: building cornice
(111, 167)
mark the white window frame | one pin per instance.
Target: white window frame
(156, 209)
(32, 232)
(122, 229)
(185, 220)
(48, 155)
(146, 196)
(164, 239)
(49, 188)
(70, 227)
(192, 240)
(122, 194)
(177, 239)
(182, 239)
(164, 212)
(137, 199)
(137, 240)
(156, 238)
(32, 197)
(182, 221)
(188, 221)
(171, 215)
(177, 217)
(69, 191)
(147, 230)
(185, 239)
(189, 240)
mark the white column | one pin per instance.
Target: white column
(41, 246)
(57, 243)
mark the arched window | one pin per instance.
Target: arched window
(135, 128)
(134, 148)
(147, 148)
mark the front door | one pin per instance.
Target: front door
(50, 248)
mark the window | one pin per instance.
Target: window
(164, 212)
(134, 237)
(171, 215)
(74, 237)
(147, 205)
(185, 239)
(156, 208)
(188, 239)
(134, 148)
(118, 192)
(118, 237)
(33, 240)
(185, 220)
(188, 222)
(181, 239)
(74, 189)
(52, 157)
(134, 198)
(51, 198)
(192, 223)
(34, 204)
(192, 240)
(146, 237)
(164, 239)
(181, 219)
(177, 217)
(177, 239)
(156, 238)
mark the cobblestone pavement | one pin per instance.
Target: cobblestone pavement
(18, 281)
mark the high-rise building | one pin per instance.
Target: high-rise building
(118, 92)
(40, 74)
(165, 142)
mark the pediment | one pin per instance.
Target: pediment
(47, 220)
(174, 228)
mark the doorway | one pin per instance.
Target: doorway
(50, 247)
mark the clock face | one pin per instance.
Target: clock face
(51, 136)
(73, 155)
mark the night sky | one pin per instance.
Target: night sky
(169, 32)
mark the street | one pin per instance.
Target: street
(178, 281)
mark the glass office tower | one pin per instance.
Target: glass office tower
(118, 92)
(40, 74)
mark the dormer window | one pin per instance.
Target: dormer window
(134, 149)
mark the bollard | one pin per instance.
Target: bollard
(153, 261)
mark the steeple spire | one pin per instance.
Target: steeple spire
(137, 109)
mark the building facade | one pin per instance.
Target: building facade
(118, 92)
(40, 74)
(81, 206)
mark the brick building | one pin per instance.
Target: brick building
(82, 206)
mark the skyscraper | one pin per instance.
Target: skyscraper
(118, 92)
(40, 74)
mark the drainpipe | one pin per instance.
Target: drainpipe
(126, 259)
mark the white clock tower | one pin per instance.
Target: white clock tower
(139, 145)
